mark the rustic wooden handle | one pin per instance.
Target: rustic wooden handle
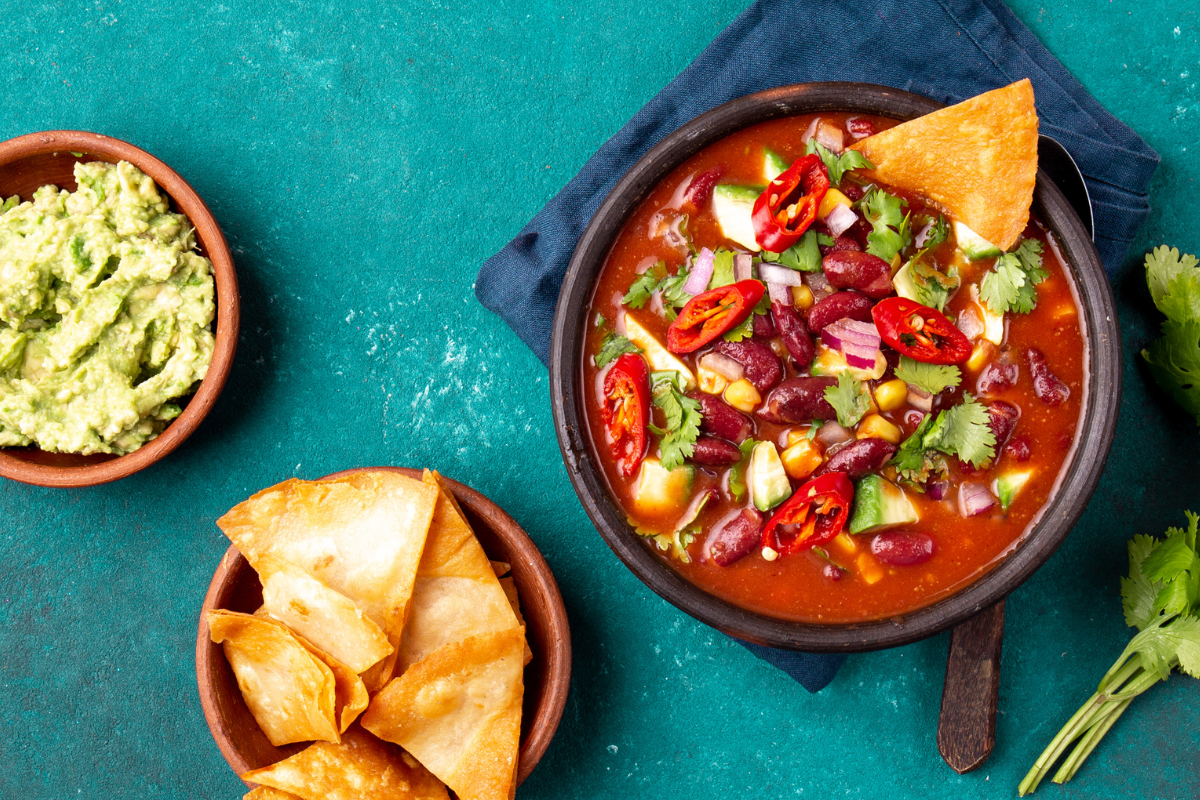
(967, 722)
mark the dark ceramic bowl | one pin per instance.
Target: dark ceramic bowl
(1098, 415)
(235, 586)
(36, 159)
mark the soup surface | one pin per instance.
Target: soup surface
(944, 466)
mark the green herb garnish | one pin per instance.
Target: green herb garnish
(683, 418)
(1174, 358)
(837, 165)
(612, 347)
(849, 398)
(891, 232)
(933, 378)
(1009, 285)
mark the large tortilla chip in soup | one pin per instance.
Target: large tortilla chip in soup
(977, 159)
(458, 712)
(360, 768)
(457, 593)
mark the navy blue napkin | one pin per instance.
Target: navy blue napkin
(944, 49)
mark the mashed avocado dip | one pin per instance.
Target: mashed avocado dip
(105, 313)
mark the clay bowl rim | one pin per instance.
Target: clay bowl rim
(1076, 483)
(556, 670)
(97, 147)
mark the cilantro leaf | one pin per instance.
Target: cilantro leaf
(928, 285)
(849, 398)
(1174, 283)
(614, 346)
(682, 415)
(935, 233)
(910, 457)
(722, 268)
(933, 378)
(745, 329)
(1169, 559)
(1137, 591)
(835, 164)
(644, 286)
(804, 255)
(891, 232)
(1174, 359)
(1009, 285)
(967, 432)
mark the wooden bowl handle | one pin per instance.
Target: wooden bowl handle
(967, 722)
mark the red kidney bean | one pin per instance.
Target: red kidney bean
(1018, 448)
(718, 418)
(1003, 420)
(840, 305)
(996, 377)
(859, 458)
(859, 232)
(764, 326)
(798, 400)
(1046, 385)
(831, 572)
(903, 549)
(734, 539)
(795, 335)
(699, 190)
(763, 368)
(711, 452)
(847, 269)
(860, 127)
(853, 191)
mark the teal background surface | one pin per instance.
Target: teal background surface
(363, 160)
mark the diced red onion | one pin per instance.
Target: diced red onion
(723, 365)
(830, 136)
(701, 274)
(742, 264)
(780, 293)
(855, 131)
(819, 284)
(832, 433)
(857, 341)
(811, 130)
(840, 219)
(919, 398)
(936, 490)
(974, 499)
(913, 417)
(774, 273)
(969, 323)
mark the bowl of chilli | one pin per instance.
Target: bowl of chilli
(720, 530)
(38, 159)
(235, 586)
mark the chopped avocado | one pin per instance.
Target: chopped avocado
(659, 358)
(904, 283)
(733, 207)
(879, 503)
(773, 165)
(993, 324)
(972, 244)
(1007, 485)
(659, 491)
(829, 362)
(769, 485)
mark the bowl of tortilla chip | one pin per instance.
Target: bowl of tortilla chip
(381, 627)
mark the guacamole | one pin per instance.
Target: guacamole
(105, 313)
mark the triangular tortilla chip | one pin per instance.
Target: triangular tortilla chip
(456, 593)
(269, 793)
(350, 694)
(459, 712)
(361, 535)
(510, 591)
(360, 768)
(291, 693)
(329, 620)
(977, 159)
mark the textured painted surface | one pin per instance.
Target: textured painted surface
(342, 147)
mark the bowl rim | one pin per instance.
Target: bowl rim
(556, 672)
(1076, 482)
(209, 234)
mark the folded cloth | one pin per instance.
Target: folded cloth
(944, 49)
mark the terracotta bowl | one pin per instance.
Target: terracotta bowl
(235, 586)
(31, 161)
(1081, 472)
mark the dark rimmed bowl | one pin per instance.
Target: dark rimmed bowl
(1081, 472)
(235, 586)
(36, 159)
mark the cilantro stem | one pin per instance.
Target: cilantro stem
(1089, 741)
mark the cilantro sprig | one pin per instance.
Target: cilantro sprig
(891, 232)
(804, 255)
(963, 431)
(657, 279)
(933, 378)
(1174, 359)
(682, 415)
(849, 398)
(1009, 285)
(1161, 598)
(613, 346)
(835, 164)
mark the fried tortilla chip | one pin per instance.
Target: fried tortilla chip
(291, 693)
(268, 793)
(978, 160)
(360, 768)
(456, 593)
(350, 694)
(501, 568)
(329, 620)
(510, 591)
(459, 712)
(361, 535)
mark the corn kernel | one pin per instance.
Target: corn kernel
(981, 355)
(800, 459)
(795, 435)
(891, 395)
(742, 395)
(832, 198)
(711, 382)
(802, 297)
(869, 569)
(845, 544)
(874, 426)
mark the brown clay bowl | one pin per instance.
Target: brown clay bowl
(235, 586)
(36, 159)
